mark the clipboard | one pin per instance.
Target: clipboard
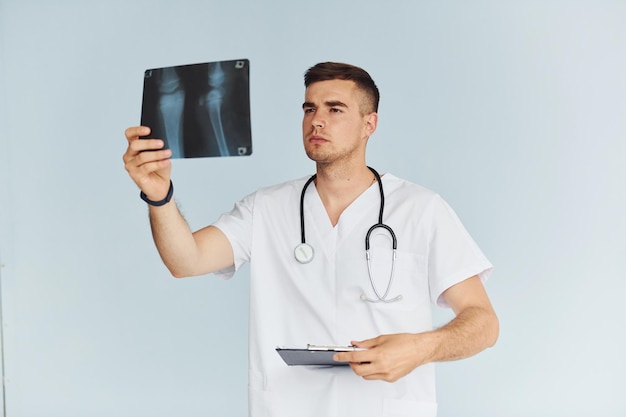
(314, 355)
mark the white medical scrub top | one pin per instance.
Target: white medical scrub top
(292, 304)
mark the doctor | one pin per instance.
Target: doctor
(310, 280)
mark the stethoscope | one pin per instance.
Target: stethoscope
(304, 253)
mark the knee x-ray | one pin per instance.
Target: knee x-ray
(201, 109)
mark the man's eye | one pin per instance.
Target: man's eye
(309, 110)
(335, 110)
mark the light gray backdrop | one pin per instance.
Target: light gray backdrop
(513, 110)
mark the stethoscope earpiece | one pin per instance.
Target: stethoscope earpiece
(304, 253)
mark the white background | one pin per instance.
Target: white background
(514, 111)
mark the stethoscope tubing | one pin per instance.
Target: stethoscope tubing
(306, 185)
(304, 252)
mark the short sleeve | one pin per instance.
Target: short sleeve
(453, 256)
(237, 226)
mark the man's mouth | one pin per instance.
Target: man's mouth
(317, 139)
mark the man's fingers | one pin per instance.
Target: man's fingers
(374, 371)
(341, 357)
(151, 167)
(147, 145)
(133, 133)
(367, 344)
(359, 356)
(368, 370)
(136, 156)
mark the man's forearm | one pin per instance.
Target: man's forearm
(471, 331)
(174, 239)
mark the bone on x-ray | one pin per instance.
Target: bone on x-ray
(200, 110)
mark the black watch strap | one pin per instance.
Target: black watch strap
(159, 203)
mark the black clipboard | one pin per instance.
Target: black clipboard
(314, 355)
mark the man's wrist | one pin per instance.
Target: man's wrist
(159, 203)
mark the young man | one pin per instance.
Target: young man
(320, 289)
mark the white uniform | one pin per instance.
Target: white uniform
(292, 304)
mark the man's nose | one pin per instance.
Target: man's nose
(317, 121)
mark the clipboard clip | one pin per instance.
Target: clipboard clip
(333, 348)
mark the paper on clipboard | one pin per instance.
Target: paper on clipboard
(314, 355)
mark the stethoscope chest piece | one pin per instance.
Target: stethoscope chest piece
(304, 253)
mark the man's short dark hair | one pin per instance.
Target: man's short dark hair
(326, 71)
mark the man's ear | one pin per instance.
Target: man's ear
(371, 121)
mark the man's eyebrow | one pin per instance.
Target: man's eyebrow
(330, 103)
(336, 103)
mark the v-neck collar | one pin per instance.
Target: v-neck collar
(319, 227)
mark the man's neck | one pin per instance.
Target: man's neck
(338, 188)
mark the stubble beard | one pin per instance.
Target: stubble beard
(328, 158)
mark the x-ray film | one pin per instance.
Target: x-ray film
(200, 110)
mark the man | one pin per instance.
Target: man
(328, 293)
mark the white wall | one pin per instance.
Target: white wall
(513, 110)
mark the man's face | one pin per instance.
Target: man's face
(333, 127)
